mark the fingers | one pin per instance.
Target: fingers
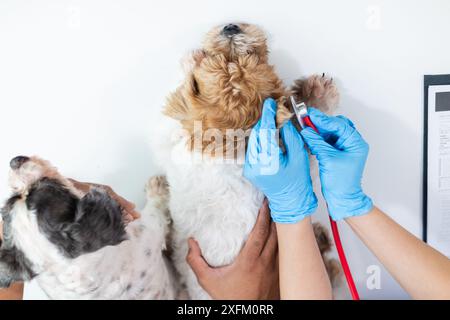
(315, 142)
(268, 114)
(292, 139)
(347, 120)
(339, 131)
(195, 259)
(355, 142)
(258, 237)
(315, 113)
(341, 127)
(271, 248)
(263, 149)
(128, 207)
(269, 146)
(253, 148)
(122, 201)
(268, 137)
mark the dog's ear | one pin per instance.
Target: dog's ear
(98, 222)
(176, 106)
(14, 267)
(191, 60)
(76, 226)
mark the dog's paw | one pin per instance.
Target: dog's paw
(318, 91)
(157, 187)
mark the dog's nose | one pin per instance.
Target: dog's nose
(17, 162)
(231, 29)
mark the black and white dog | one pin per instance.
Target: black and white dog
(76, 244)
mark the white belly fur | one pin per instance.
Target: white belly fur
(213, 203)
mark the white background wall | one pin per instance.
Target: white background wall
(80, 82)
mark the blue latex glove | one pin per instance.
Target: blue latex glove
(283, 177)
(342, 155)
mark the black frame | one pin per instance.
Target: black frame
(429, 80)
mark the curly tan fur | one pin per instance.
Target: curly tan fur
(226, 85)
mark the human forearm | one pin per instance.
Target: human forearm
(342, 153)
(15, 292)
(302, 273)
(421, 270)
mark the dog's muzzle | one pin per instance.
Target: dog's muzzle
(231, 29)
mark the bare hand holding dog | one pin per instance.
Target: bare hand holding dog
(254, 274)
(128, 208)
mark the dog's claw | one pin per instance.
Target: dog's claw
(323, 75)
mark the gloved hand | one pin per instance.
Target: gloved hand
(342, 155)
(283, 177)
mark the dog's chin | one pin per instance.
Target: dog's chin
(21, 180)
(235, 49)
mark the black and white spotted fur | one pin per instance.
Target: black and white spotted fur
(76, 245)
